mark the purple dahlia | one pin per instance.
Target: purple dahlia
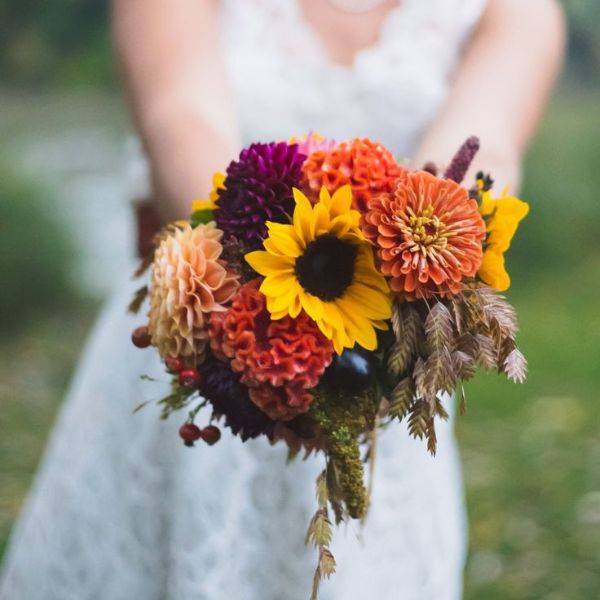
(258, 188)
(229, 398)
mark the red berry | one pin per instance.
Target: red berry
(175, 364)
(211, 434)
(189, 378)
(141, 337)
(189, 433)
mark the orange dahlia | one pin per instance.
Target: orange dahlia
(368, 167)
(189, 281)
(428, 234)
(279, 360)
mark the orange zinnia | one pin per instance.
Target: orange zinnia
(368, 167)
(428, 234)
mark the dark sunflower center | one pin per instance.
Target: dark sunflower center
(326, 268)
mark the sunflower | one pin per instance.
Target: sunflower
(322, 264)
(502, 216)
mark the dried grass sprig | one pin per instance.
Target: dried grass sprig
(440, 345)
(402, 398)
(320, 534)
(515, 366)
(408, 329)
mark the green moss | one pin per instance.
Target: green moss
(344, 419)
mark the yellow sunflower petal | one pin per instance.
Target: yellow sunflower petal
(278, 285)
(324, 196)
(283, 242)
(287, 245)
(326, 329)
(266, 263)
(275, 316)
(338, 342)
(358, 328)
(332, 326)
(332, 316)
(341, 225)
(282, 228)
(367, 273)
(282, 301)
(341, 201)
(295, 306)
(312, 306)
(369, 302)
(302, 218)
(320, 220)
(300, 198)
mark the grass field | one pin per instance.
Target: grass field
(531, 453)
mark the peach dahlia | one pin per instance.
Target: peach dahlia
(189, 281)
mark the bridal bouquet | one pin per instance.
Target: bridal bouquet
(324, 291)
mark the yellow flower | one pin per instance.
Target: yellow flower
(322, 263)
(502, 216)
(210, 203)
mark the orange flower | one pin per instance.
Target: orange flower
(279, 360)
(368, 167)
(189, 281)
(428, 234)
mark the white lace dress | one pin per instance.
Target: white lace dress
(121, 510)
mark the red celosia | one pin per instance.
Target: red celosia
(279, 360)
(281, 403)
(367, 166)
(428, 234)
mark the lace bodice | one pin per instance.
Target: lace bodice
(120, 509)
(285, 84)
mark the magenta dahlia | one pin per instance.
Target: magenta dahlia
(258, 188)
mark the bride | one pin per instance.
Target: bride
(120, 508)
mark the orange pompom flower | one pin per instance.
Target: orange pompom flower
(428, 234)
(278, 360)
(368, 167)
(189, 281)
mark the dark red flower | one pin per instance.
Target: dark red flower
(229, 398)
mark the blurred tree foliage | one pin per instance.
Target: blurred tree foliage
(57, 42)
(65, 42)
(584, 37)
(36, 258)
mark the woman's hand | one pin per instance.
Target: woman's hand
(501, 88)
(181, 106)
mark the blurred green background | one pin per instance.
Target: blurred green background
(531, 453)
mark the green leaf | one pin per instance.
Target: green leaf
(203, 216)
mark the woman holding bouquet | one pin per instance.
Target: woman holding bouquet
(120, 509)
